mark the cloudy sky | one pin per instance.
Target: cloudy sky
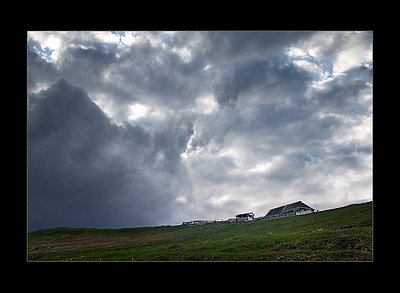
(130, 129)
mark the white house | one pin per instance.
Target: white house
(245, 217)
(292, 209)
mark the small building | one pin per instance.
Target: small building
(198, 222)
(245, 217)
(292, 209)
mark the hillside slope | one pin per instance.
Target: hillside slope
(338, 234)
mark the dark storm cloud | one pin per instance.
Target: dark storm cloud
(84, 170)
(272, 80)
(271, 103)
(195, 124)
(170, 141)
(279, 117)
(220, 47)
(144, 74)
(342, 96)
(145, 71)
(86, 64)
(40, 72)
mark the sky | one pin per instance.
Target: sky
(148, 128)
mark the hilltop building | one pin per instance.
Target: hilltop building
(245, 217)
(292, 209)
(199, 222)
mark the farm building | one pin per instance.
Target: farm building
(292, 209)
(198, 222)
(245, 217)
(201, 222)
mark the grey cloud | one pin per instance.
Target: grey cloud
(259, 78)
(144, 74)
(269, 111)
(178, 162)
(215, 170)
(86, 65)
(170, 142)
(153, 74)
(219, 47)
(341, 96)
(84, 169)
(39, 71)
(339, 40)
(291, 168)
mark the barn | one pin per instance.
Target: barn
(245, 217)
(292, 209)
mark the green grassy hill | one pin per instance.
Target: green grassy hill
(342, 234)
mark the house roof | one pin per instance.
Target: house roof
(288, 208)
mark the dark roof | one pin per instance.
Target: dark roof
(288, 208)
(244, 215)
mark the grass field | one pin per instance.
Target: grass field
(342, 234)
